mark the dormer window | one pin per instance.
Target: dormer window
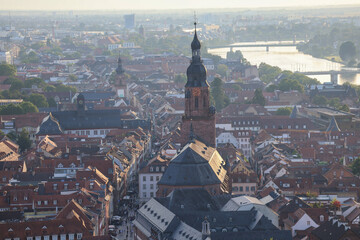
(321, 218)
(151, 169)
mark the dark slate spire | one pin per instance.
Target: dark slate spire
(195, 44)
(294, 112)
(333, 126)
(119, 69)
(192, 134)
(196, 72)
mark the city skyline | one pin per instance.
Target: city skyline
(159, 4)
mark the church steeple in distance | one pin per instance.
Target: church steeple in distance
(199, 115)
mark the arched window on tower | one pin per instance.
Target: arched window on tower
(196, 102)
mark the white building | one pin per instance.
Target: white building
(149, 177)
(239, 138)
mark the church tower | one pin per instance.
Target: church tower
(120, 81)
(198, 111)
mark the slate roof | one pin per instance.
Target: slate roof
(187, 200)
(196, 165)
(97, 96)
(91, 119)
(50, 127)
(329, 230)
(333, 126)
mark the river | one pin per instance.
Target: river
(289, 58)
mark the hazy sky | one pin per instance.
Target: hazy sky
(158, 4)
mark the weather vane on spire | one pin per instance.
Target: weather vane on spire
(195, 19)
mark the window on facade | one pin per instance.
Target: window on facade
(77, 186)
(79, 236)
(151, 186)
(66, 186)
(25, 198)
(144, 186)
(151, 169)
(71, 236)
(101, 132)
(55, 202)
(63, 237)
(321, 218)
(46, 237)
(39, 203)
(29, 238)
(241, 189)
(87, 132)
(163, 169)
(151, 178)
(54, 186)
(45, 202)
(151, 194)
(38, 238)
(95, 132)
(144, 194)
(247, 189)
(4, 179)
(144, 178)
(82, 132)
(157, 178)
(91, 185)
(54, 237)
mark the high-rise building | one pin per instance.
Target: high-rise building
(129, 21)
(198, 111)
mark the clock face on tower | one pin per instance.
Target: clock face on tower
(196, 92)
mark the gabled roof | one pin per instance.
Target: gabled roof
(196, 165)
(333, 126)
(50, 126)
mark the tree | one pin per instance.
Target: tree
(16, 84)
(28, 107)
(355, 167)
(73, 77)
(11, 109)
(319, 100)
(38, 100)
(180, 78)
(50, 88)
(12, 135)
(344, 108)
(285, 111)
(268, 73)
(24, 140)
(51, 101)
(35, 81)
(347, 51)
(218, 95)
(7, 70)
(258, 98)
(222, 70)
(289, 85)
